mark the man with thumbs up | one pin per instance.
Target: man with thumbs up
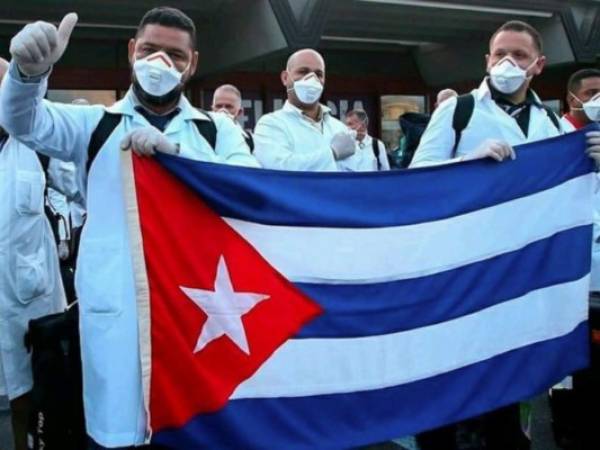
(153, 116)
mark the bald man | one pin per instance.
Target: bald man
(227, 99)
(303, 135)
(30, 285)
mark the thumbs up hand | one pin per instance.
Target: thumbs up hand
(39, 45)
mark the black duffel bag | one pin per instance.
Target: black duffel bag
(56, 419)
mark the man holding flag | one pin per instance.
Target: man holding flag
(501, 113)
(153, 116)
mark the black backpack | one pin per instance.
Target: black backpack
(413, 126)
(109, 122)
(375, 145)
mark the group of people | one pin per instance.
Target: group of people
(155, 116)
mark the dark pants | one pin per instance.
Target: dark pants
(499, 429)
(502, 429)
(439, 438)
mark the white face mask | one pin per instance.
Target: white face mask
(227, 113)
(591, 108)
(157, 74)
(507, 76)
(308, 89)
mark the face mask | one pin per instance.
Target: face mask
(308, 89)
(227, 113)
(591, 108)
(507, 76)
(157, 74)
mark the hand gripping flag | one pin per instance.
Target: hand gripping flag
(332, 310)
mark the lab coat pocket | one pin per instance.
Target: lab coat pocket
(32, 277)
(99, 278)
(29, 192)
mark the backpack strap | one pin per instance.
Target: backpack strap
(465, 104)
(207, 129)
(553, 117)
(109, 122)
(375, 144)
(104, 129)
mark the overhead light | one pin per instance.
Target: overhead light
(373, 40)
(79, 24)
(463, 7)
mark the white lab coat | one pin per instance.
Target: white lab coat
(104, 282)
(30, 283)
(364, 160)
(489, 121)
(288, 140)
(64, 197)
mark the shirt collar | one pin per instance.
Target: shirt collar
(3, 140)
(365, 142)
(288, 107)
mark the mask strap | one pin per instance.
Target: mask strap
(577, 98)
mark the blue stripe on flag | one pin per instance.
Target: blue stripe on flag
(378, 199)
(381, 308)
(355, 419)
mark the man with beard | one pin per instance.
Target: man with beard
(153, 116)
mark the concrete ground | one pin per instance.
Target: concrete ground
(542, 434)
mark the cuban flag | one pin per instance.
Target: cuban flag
(292, 310)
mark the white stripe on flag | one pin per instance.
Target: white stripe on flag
(352, 255)
(326, 366)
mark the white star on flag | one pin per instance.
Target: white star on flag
(224, 308)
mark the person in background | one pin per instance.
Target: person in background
(228, 99)
(573, 398)
(370, 154)
(583, 99)
(30, 283)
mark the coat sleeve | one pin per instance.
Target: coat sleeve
(58, 130)
(231, 147)
(437, 141)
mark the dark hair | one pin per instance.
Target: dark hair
(521, 27)
(361, 114)
(575, 80)
(169, 17)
